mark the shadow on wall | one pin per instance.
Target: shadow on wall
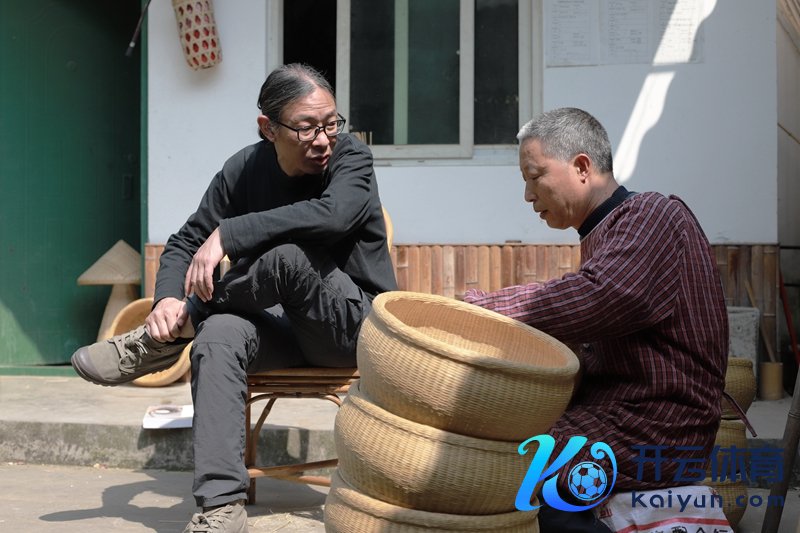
(664, 102)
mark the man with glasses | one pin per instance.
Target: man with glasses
(300, 218)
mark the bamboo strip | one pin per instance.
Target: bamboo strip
(393, 255)
(743, 269)
(770, 293)
(732, 275)
(553, 262)
(721, 256)
(495, 268)
(757, 272)
(425, 266)
(437, 270)
(401, 267)
(471, 280)
(448, 271)
(508, 274)
(484, 268)
(413, 274)
(576, 257)
(460, 274)
(519, 266)
(528, 272)
(565, 265)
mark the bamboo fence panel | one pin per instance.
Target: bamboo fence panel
(451, 269)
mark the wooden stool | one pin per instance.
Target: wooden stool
(307, 382)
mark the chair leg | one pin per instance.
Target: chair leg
(252, 436)
(293, 472)
(251, 492)
(249, 452)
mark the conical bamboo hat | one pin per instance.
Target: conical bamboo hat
(120, 264)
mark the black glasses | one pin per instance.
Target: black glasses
(309, 133)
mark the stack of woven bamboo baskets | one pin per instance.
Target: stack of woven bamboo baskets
(427, 439)
(740, 384)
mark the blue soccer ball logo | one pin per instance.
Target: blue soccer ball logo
(587, 481)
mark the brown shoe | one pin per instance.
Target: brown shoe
(125, 357)
(231, 518)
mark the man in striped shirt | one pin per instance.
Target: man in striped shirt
(646, 308)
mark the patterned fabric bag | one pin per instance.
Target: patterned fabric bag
(688, 509)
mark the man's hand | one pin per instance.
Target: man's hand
(200, 276)
(165, 321)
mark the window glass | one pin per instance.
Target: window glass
(404, 71)
(309, 35)
(496, 71)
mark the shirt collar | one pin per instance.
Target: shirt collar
(619, 196)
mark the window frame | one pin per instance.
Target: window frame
(466, 93)
(530, 84)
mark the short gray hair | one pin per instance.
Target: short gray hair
(567, 132)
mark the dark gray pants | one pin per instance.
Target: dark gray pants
(557, 521)
(289, 307)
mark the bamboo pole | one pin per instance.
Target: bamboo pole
(791, 437)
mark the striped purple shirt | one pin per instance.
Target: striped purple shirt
(647, 307)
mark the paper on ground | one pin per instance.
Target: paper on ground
(168, 416)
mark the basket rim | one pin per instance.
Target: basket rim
(361, 401)
(731, 423)
(141, 306)
(415, 517)
(471, 357)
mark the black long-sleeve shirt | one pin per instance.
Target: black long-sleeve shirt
(257, 206)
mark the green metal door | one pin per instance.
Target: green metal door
(69, 167)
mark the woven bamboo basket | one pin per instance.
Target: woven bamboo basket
(131, 317)
(740, 383)
(349, 511)
(734, 499)
(460, 368)
(731, 434)
(198, 32)
(420, 467)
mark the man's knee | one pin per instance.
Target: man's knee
(297, 271)
(297, 257)
(223, 328)
(229, 333)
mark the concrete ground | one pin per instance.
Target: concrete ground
(73, 499)
(94, 499)
(74, 458)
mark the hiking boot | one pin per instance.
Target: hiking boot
(231, 518)
(125, 357)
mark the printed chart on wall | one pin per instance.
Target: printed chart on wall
(608, 32)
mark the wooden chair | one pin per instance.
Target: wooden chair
(308, 382)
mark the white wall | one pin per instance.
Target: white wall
(712, 139)
(196, 119)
